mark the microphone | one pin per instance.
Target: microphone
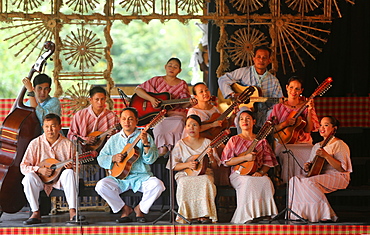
(82, 141)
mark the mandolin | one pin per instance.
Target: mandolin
(318, 162)
(58, 166)
(100, 138)
(290, 134)
(130, 152)
(202, 161)
(145, 109)
(210, 133)
(249, 167)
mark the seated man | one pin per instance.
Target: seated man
(51, 144)
(140, 178)
(39, 98)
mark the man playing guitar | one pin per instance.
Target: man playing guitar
(255, 75)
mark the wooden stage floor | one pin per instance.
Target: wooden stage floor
(100, 222)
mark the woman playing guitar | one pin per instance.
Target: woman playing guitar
(300, 127)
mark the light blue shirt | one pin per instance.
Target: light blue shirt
(140, 170)
(50, 105)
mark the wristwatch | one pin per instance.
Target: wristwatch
(31, 93)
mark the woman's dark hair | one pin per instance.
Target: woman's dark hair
(195, 118)
(199, 83)
(175, 59)
(335, 122)
(295, 78)
(132, 109)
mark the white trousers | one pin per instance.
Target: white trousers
(109, 190)
(33, 185)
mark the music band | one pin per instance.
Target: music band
(191, 132)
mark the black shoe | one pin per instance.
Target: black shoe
(140, 219)
(80, 218)
(32, 221)
(125, 219)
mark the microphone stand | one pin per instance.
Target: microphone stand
(172, 199)
(287, 209)
(77, 221)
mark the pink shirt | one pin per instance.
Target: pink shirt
(236, 145)
(85, 122)
(158, 84)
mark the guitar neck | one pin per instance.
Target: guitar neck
(175, 101)
(265, 99)
(227, 111)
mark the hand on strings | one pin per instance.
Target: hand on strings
(291, 121)
(234, 96)
(310, 105)
(307, 166)
(322, 153)
(118, 157)
(27, 83)
(155, 102)
(249, 157)
(90, 140)
(144, 137)
(69, 165)
(192, 165)
(217, 123)
(193, 101)
(45, 171)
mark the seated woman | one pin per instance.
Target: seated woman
(307, 194)
(254, 193)
(303, 144)
(169, 131)
(195, 194)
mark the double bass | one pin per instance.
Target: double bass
(18, 129)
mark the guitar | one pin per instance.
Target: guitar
(203, 162)
(290, 134)
(145, 109)
(255, 97)
(58, 166)
(210, 133)
(318, 162)
(122, 169)
(100, 138)
(249, 167)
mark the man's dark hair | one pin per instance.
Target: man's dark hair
(40, 79)
(262, 48)
(51, 116)
(97, 89)
(132, 109)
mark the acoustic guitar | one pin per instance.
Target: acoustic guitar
(100, 138)
(249, 167)
(318, 162)
(243, 97)
(254, 98)
(130, 152)
(58, 166)
(290, 134)
(202, 161)
(145, 109)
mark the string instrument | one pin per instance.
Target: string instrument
(255, 97)
(17, 130)
(290, 134)
(130, 152)
(200, 158)
(318, 162)
(249, 167)
(243, 97)
(100, 138)
(58, 166)
(145, 109)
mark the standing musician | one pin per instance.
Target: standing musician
(255, 75)
(254, 193)
(195, 194)
(39, 98)
(169, 131)
(93, 118)
(140, 177)
(51, 144)
(307, 198)
(294, 102)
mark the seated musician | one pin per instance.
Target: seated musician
(39, 98)
(51, 144)
(94, 118)
(140, 177)
(307, 198)
(254, 191)
(255, 75)
(283, 113)
(195, 193)
(169, 131)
